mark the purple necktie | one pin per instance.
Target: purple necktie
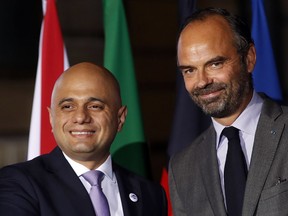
(98, 198)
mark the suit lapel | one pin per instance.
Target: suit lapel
(210, 172)
(266, 141)
(71, 188)
(128, 187)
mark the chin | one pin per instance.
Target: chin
(83, 148)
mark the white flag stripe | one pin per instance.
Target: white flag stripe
(34, 135)
(34, 142)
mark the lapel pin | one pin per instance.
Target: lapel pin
(133, 197)
(279, 181)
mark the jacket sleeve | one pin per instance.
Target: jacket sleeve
(177, 205)
(17, 196)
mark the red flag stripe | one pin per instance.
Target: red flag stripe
(52, 67)
(52, 62)
(164, 183)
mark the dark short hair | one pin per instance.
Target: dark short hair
(239, 27)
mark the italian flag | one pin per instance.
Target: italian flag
(129, 149)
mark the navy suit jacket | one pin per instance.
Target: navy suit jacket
(48, 186)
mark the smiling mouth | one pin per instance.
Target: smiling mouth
(210, 91)
(210, 94)
(82, 132)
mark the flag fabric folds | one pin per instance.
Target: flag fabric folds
(189, 121)
(129, 148)
(265, 73)
(52, 61)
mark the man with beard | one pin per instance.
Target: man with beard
(216, 56)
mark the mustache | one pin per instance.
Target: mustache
(209, 89)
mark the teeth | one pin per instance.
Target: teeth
(82, 133)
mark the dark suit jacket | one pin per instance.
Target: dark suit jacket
(194, 177)
(48, 186)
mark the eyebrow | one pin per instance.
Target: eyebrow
(90, 99)
(183, 67)
(215, 59)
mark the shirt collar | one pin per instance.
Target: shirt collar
(80, 169)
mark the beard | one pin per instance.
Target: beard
(229, 101)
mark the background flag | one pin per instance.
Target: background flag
(52, 62)
(129, 148)
(265, 73)
(189, 121)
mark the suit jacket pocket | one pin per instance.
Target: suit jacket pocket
(274, 191)
(274, 201)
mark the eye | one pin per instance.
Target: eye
(95, 107)
(67, 107)
(216, 65)
(187, 71)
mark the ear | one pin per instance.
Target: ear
(50, 116)
(122, 113)
(251, 58)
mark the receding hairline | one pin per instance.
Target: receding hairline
(241, 31)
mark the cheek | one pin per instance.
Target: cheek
(232, 77)
(60, 120)
(225, 76)
(189, 84)
(107, 121)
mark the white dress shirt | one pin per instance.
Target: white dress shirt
(109, 183)
(246, 123)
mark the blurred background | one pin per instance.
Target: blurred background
(153, 27)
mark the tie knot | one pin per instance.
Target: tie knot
(231, 133)
(94, 177)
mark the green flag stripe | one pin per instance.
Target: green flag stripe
(129, 147)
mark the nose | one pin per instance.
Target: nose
(203, 79)
(81, 116)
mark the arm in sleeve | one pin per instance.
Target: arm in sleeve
(176, 202)
(17, 196)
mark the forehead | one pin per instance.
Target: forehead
(212, 34)
(209, 27)
(85, 85)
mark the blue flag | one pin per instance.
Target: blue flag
(189, 120)
(265, 73)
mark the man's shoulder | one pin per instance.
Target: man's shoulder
(193, 148)
(34, 167)
(29, 167)
(274, 109)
